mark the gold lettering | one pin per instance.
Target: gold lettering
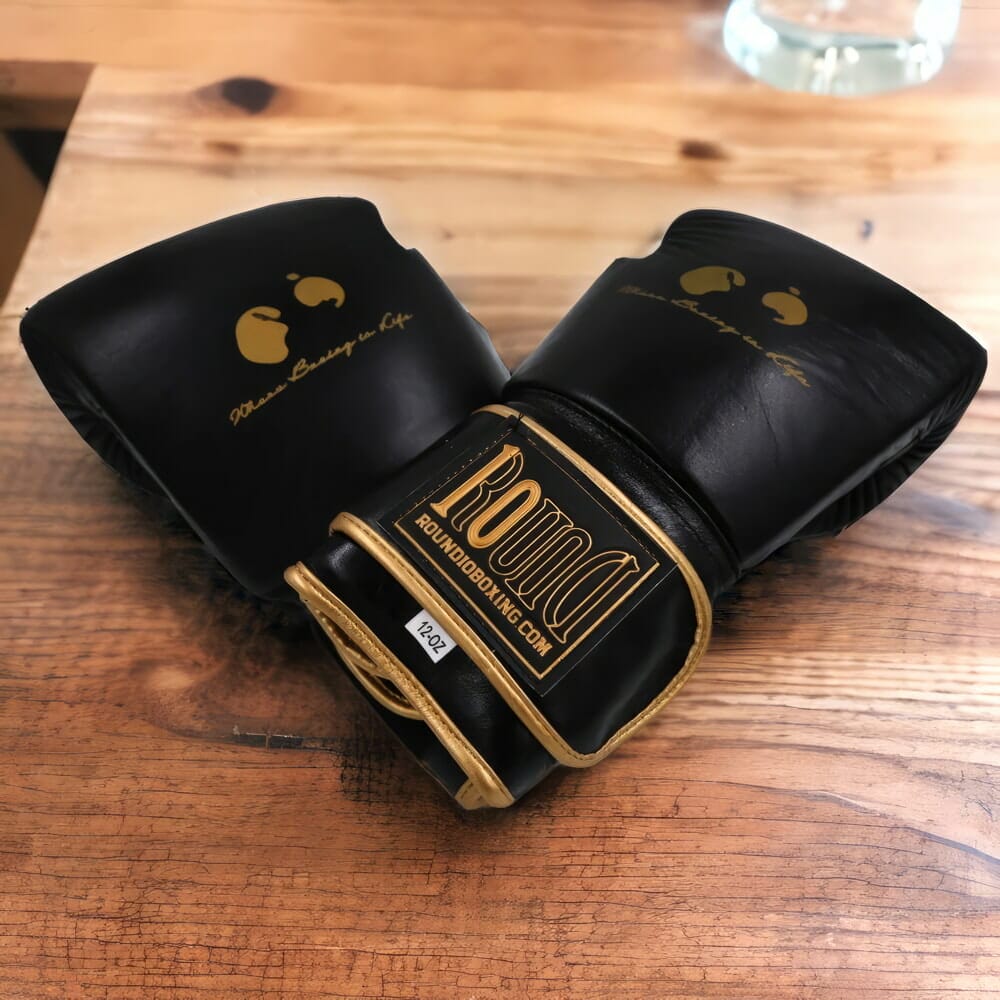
(491, 479)
(636, 290)
(395, 321)
(244, 410)
(787, 365)
(541, 647)
(480, 539)
(561, 619)
(304, 367)
(529, 631)
(541, 558)
(555, 560)
(530, 540)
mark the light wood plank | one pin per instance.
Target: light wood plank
(453, 43)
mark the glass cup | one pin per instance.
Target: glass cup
(841, 47)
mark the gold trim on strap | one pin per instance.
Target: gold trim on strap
(333, 616)
(390, 558)
(468, 796)
(363, 670)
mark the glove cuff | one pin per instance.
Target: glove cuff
(398, 694)
(516, 600)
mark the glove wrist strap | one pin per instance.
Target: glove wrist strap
(583, 614)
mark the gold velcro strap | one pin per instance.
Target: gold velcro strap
(427, 596)
(368, 658)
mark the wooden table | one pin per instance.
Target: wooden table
(193, 805)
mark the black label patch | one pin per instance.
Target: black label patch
(538, 551)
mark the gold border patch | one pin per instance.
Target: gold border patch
(442, 567)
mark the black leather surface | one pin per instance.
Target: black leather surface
(159, 358)
(784, 391)
(888, 376)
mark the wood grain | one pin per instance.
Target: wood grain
(194, 805)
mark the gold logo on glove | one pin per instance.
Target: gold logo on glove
(260, 336)
(703, 280)
(789, 308)
(260, 333)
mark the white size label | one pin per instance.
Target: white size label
(433, 639)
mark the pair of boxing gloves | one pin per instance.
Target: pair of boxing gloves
(520, 570)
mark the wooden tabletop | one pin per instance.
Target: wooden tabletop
(193, 804)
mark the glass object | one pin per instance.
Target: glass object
(841, 47)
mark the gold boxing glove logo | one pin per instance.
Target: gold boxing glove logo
(703, 280)
(260, 332)
(788, 307)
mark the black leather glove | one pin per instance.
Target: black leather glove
(263, 372)
(536, 588)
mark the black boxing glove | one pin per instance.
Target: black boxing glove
(263, 371)
(533, 590)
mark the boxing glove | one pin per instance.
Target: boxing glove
(532, 591)
(263, 371)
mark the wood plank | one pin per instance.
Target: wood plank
(20, 202)
(35, 94)
(814, 818)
